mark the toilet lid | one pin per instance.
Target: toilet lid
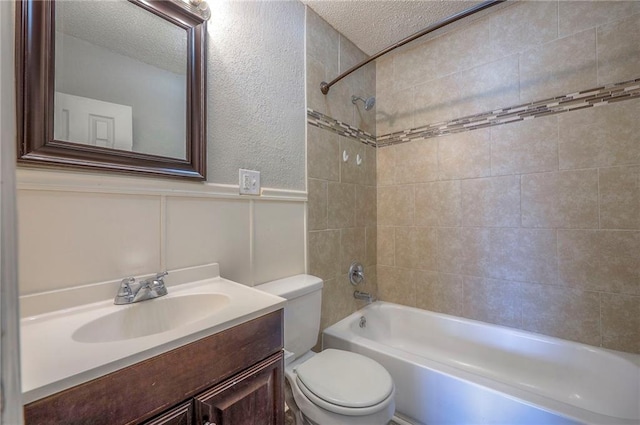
(345, 379)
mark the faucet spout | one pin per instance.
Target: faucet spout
(365, 296)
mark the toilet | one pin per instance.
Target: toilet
(333, 387)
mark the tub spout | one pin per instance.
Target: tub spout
(365, 296)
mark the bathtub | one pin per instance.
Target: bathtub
(450, 370)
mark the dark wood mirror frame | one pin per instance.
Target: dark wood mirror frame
(35, 35)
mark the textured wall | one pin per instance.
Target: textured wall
(342, 197)
(256, 95)
(534, 225)
(141, 225)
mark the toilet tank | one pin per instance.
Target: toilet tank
(301, 312)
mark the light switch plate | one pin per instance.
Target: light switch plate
(249, 182)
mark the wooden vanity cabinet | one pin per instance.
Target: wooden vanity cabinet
(181, 415)
(248, 398)
(234, 377)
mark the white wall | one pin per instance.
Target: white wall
(77, 228)
(9, 367)
(256, 92)
(157, 96)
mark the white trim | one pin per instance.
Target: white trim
(74, 181)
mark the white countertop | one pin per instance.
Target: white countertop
(53, 361)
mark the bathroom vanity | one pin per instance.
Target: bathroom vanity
(233, 377)
(223, 368)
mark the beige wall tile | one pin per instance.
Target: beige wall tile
(352, 247)
(386, 246)
(322, 41)
(476, 251)
(528, 146)
(543, 76)
(201, 231)
(493, 301)
(449, 53)
(371, 247)
(350, 54)
(439, 292)
(600, 260)
(350, 171)
(114, 236)
(621, 322)
(396, 285)
(394, 111)
(385, 83)
(438, 204)
(341, 205)
(281, 225)
(386, 166)
(522, 26)
(324, 253)
(491, 202)
(322, 154)
(450, 252)
(465, 155)
(486, 87)
(316, 73)
(370, 165)
(576, 16)
(416, 162)
(366, 206)
(395, 205)
(619, 50)
(562, 312)
(416, 248)
(317, 207)
(600, 137)
(337, 301)
(567, 199)
(524, 255)
(619, 198)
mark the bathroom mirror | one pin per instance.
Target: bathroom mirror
(112, 85)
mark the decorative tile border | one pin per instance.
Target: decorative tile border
(320, 120)
(584, 99)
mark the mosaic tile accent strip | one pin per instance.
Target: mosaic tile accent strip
(320, 120)
(584, 99)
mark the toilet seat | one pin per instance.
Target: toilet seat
(345, 383)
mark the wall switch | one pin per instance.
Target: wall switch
(249, 182)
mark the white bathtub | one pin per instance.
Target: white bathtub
(449, 370)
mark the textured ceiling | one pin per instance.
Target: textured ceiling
(126, 29)
(376, 24)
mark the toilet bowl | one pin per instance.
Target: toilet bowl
(333, 387)
(339, 387)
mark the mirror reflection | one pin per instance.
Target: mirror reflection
(120, 78)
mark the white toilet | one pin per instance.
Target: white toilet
(333, 387)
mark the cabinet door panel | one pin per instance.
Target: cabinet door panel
(253, 397)
(181, 415)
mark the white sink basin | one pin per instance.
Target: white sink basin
(150, 317)
(73, 344)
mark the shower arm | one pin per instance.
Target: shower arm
(324, 86)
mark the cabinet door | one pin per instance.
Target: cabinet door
(181, 415)
(253, 397)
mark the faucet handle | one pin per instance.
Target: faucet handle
(125, 293)
(160, 275)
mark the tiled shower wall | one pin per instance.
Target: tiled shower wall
(535, 224)
(342, 194)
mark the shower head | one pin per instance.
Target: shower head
(368, 103)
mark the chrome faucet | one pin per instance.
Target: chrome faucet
(365, 296)
(132, 292)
